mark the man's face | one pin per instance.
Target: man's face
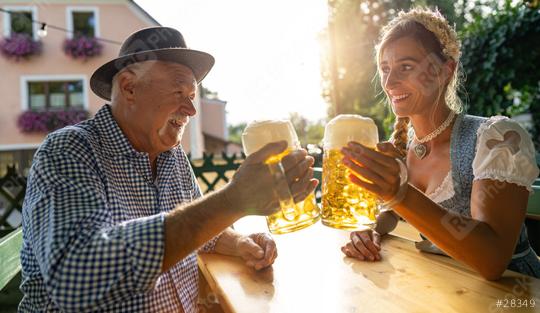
(162, 103)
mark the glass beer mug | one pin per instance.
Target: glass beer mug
(292, 216)
(344, 204)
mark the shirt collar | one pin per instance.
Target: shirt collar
(115, 142)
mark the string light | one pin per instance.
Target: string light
(42, 32)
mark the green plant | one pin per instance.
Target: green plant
(501, 54)
(349, 71)
(47, 121)
(235, 132)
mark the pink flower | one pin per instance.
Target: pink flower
(82, 47)
(47, 121)
(19, 46)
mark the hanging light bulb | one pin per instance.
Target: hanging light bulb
(42, 32)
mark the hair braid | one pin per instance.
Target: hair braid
(400, 136)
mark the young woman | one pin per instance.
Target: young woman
(469, 177)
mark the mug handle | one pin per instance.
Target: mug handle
(281, 188)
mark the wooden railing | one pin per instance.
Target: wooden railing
(12, 191)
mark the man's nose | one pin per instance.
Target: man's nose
(188, 107)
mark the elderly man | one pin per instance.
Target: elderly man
(113, 215)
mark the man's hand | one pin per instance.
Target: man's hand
(258, 250)
(251, 189)
(251, 192)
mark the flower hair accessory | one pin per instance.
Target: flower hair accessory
(435, 22)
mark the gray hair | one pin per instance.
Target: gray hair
(139, 69)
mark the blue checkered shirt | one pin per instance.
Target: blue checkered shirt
(93, 225)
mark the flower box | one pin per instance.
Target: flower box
(82, 47)
(48, 121)
(19, 46)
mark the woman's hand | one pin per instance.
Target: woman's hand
(378, 167)
(364, 245)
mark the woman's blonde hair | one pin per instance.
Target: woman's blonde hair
(432, 31)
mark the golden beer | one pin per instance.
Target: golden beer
(346, 205)
(292, 216)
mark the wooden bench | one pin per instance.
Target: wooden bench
(10, 262)
(10, 270)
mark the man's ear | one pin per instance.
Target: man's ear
(126, 85)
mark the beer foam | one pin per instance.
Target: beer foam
(350, 127)
(259, 133)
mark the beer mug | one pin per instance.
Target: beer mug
(344, 204)
(292, 216)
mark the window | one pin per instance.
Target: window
(47, 95)
(20, 22)
(51, 95)
(83, 21)
(84, 24)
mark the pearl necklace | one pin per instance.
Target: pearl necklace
(420, 149)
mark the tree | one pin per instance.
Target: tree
(209, 94)
(349, 70)
(501, 54)
(235, 132)
(308, 132)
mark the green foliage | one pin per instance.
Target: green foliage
(235, 132)
(350, 69)
(521, 100)
(308, 132)
(350, 72)
(209, 94)
(21, 23)
(501, 55)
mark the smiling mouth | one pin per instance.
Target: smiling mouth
(400, 97)
(177, 123)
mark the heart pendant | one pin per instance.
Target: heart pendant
(420, 151)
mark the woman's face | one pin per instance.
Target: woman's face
(413, 79)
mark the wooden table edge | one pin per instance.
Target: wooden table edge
(223, 302)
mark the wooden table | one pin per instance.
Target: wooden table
(312, 275)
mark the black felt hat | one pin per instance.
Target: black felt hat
(155, 43)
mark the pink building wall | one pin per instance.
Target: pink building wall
(117, 19)
(214, 124)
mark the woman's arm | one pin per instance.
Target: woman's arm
(386, 222)
(486, 241)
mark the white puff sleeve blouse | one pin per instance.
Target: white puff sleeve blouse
(505, 152)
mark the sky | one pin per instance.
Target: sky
(267, 52)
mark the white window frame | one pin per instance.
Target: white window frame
(7, 19)
(25, 79)
(19, 146)
(69, 18)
